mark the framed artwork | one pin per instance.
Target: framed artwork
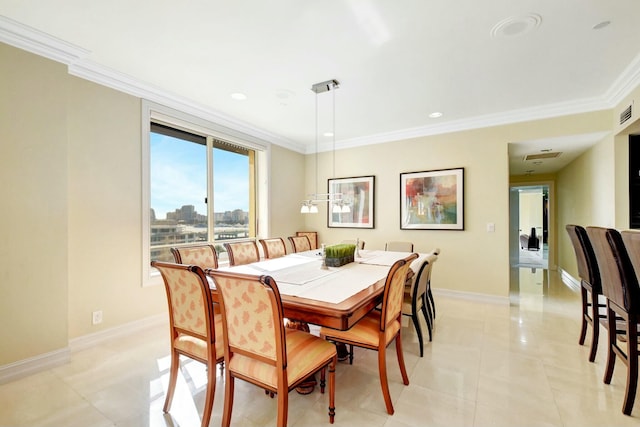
(432, 200)
(356, 208)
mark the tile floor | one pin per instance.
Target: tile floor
(488, 365)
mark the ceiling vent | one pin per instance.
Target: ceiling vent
(542, 156)
(625, 115)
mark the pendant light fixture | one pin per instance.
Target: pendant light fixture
(340, 205)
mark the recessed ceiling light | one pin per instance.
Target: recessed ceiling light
(516, 25)
(601, 25)
(238, 96)
(435, 114)
(546, 150)
(328, 134)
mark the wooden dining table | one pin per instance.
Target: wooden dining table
(333, 297)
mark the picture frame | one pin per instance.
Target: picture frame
(358, 194)
(432, 200)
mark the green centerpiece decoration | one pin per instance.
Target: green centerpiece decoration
(338, 255)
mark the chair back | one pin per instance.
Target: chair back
(273, 247)
(190, 302)
(252, 317)
(241, 253)
(585, 257)
(312, 235)
(419, 285)
(300, 243)
(202, 255)
(613, 263)
(399, 246)
(626, 248)
(394, 292)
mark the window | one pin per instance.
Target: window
(201, 186)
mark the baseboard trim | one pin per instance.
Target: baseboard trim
(90, 340)
(472, 296)
(41, 362)
(569, 280)
(32, 365)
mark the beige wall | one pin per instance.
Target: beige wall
(71, 184)
(34, 215)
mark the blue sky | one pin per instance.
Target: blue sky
(179, 177)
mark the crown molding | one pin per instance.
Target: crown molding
(40, 43)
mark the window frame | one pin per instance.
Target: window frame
(153, 112)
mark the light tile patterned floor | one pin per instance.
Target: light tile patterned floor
(488, 365)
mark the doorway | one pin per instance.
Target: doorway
(529, 226)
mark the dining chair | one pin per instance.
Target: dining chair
(398, 246)
(241, 253)
(379, 328)
(273, 247)
(202, 255)
(620, 287)
(432, 302)
(312, 235)
(300, 243)
(415, 299)
(260, 350)
(196, 332)
(590, 286)
(353, 242)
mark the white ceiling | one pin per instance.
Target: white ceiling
(396, 61)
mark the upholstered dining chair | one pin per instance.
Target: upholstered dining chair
(312, 235)
(620, 287)
(379, 328)
(260, 350)
(202, 255)
(273, 247)
(590, 286)
(432, 303)
(398, 246)
(415, 299)
(196, 332)
(300, 243)
(241, 253)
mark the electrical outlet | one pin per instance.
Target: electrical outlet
(97, 317)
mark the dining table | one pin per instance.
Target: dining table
(333, 297)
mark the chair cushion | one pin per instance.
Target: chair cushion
(366, 331)
(306, 353)
(198, 347)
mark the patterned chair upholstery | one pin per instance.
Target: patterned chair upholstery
(195, 331)
(260, 350)
(273, 248)
(378, 328)
(202, 255)
(300, 243)
(312, 235)
(241, 253)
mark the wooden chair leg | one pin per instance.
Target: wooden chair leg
(228, 400)
(585, 313)
(400, 354)
(384, 382)
(283, 405)
(211, 390)
(632, 366)
(611, 355)
(416, 323)
(173, 379)
(595, 326)
(427, 318)
(332, 389)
